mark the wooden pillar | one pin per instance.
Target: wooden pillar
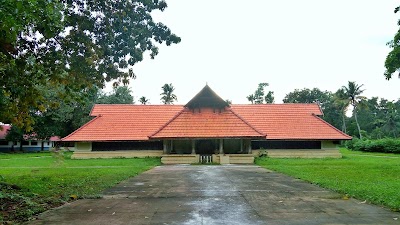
(171, 146)
(193, 147)
(249, 146)
(165, 147)
(221, 146)
(241, 145)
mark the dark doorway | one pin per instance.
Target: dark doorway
(206, 147)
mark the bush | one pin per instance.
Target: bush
(387, 145)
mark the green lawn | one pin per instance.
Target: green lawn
(374, 177)
(34, 182)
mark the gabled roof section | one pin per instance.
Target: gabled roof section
(206, 98)
(118, 122)
(207, 123)
(290, 121)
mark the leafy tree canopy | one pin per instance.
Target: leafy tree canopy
(144, 101)
(77, 44)
(167, 96)
(392, 63)
(306, 95)
(119, 95)
(258, 96)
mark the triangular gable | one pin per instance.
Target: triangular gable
(207, 98)
(207, 123)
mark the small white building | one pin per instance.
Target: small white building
(29, 144)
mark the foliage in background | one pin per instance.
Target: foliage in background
(259, 95)
(378, 118)
(392, 62)
(144, 101)
(386, 145)
(119, 95)
(351, 95)
(167, 95)
(72, 45)
(65, 117)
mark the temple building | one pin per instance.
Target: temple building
(206, 129)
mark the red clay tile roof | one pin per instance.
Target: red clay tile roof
(124, 122)
(138, 122)
(207, 124)
(289, 121)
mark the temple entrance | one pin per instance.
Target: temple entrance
(206, 147)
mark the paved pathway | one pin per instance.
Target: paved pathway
(217, 195)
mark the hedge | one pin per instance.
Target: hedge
(387, 145)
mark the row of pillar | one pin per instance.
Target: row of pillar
(169, 144)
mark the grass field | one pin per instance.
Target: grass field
(34, 182)
(374, 177)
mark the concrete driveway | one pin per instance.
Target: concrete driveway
(231, 194)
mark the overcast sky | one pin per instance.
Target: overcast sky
(234, 45)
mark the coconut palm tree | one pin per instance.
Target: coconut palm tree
(168, 97)
(351, 95)
(144, 101)
(340, 100)
(251, 98)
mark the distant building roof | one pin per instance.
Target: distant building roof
(6, 127)
(3, 131)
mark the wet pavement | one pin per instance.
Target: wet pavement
(231, 194)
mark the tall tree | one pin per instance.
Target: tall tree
(269, 97)
(340, 100)
(392, 63)
(251, 98)
(144, 101)
(352, 96)
(168, 97)
(77, 43)
(258, 96)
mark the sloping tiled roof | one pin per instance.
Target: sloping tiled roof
(138, 122)
(289, 121)
(124, 122)
(207, 124)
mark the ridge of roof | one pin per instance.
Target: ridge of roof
(167, 123)
(247, 123)
(330, 125)
(320, 109)
(80, 128)
(91, 110)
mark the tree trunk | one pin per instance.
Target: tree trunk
(42, 146)
(358, 125)
(344, 122)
